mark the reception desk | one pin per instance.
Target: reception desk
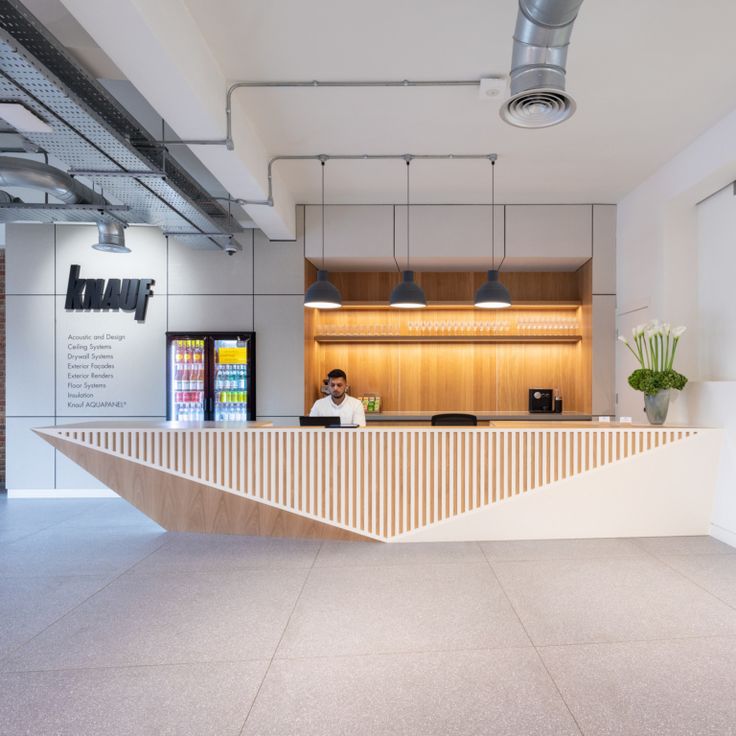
(402, 484)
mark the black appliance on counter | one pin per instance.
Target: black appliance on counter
(541, 401)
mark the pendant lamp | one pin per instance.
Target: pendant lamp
(493, 294)
(408, 294)
(323, 294)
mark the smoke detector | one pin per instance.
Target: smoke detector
(492, 88)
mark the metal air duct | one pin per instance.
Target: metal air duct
(27, 174)
(541, 38)
(111, 237)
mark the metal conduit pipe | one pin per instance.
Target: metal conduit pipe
(538, 64)
(27, 174)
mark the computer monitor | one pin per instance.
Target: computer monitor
(319, 421)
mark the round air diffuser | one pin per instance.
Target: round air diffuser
(538, 108)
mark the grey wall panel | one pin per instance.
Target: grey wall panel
(351, 231)
(30, 460)
(29, 264)
(279, 325)
(199, 313)
(539, 231)
(133, 377)
(193, 271)
(604, 249)
(29, 356)
(279, 266)
(604, 354)
(281, 421)
(146, 260)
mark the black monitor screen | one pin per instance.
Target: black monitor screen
(319, 421)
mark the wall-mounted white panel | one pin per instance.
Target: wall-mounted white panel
(604, 248)
(110, 365)
(29, 258)
(30, 460)
(147, 259)
(279, 265)
(196, 271)
(459, 233)
(279, 326)
(604, 355)
(535, 232)
(29, 355)
(363, 233)
(200, 313)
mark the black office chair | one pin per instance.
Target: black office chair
(454, 420)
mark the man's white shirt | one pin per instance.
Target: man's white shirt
(349, 410)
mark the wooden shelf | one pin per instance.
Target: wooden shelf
(557, 339)
(516, 306)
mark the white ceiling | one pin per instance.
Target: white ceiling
(648, 76)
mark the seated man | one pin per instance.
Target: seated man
(338, 403)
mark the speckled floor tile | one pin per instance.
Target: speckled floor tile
(615, 599)
(715, 573)
(490, 693)
(170, 700)
(685, 546)
(111, 512)
(169, 618)
(61, 550)
(202, 552)
(366, 610)
(29, 605)
(347, 554)
(42, 512)
(658, 688)
(561, 549)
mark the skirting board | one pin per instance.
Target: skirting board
(668, 491)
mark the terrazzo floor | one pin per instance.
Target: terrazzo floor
(109, 625)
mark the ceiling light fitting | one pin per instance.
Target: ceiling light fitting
(493, 294)
(408, 294)
(322, 294)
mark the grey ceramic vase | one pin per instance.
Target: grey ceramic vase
(656, 406)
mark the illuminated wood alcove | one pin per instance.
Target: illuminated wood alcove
(451, 356)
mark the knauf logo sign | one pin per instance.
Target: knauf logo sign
(111, 294)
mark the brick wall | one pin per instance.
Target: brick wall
(2, 370)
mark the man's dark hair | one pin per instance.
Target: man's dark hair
(337, 373)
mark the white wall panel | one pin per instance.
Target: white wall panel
(279, 265)
(281, 421)
(199, 313)
(279, 326)
(351, 231)
(604, 358)
(147, 259)
(604, 249)
(30, 460)
(193, 271)
(30, 355)
(29, 264)
(139, 373)
(460, 232)
(536, 232)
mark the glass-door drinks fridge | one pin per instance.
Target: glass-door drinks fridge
(210, 376)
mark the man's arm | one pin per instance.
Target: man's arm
(359, 414)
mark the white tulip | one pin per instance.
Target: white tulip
(623, 339)
(677, 331)
(638, 330)
(666, 328)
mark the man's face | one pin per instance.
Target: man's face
(337, 388)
